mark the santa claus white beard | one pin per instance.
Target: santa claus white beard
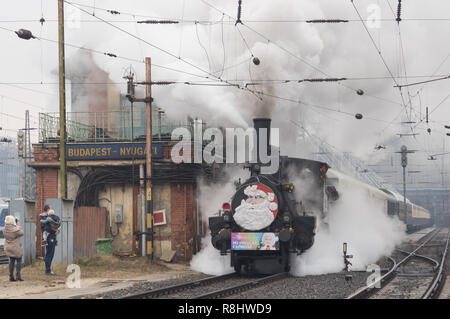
(253, 217)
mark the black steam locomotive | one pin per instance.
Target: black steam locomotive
(265, 222)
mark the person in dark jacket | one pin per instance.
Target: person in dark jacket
(51, 225)
(13, 247)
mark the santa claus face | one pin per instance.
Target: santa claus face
(268, 239)
(258, 210)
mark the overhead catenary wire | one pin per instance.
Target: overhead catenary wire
(203, 47)
(171, 54)
(403, 58)
(174, 56)
(152, 45)
(291, 53)
(22, 102)
(384, 63)
(423, 82)
(112, 55)
(185, 82)
(135, 60)
(374, 44)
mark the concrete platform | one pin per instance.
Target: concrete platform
(93, 286)
(414, 237)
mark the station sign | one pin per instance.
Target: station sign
(113, 151)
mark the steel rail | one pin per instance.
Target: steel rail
(425, 258)
(434, 289)
(368, 290)
(243, 287)
(176, 288)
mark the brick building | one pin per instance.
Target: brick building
(108, 184)
(105, 152)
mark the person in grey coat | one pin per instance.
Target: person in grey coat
(13, 247)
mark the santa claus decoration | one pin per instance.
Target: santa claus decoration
(258, 208)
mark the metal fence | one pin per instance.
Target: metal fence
(100, 127)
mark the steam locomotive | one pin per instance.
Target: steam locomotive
(266, 220)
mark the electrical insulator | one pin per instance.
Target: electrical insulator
(399, 11)
(238, 20)
(25, 34)
(358, 116)
(256, 61)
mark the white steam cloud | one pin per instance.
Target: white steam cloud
(357, 218)
(208, 260)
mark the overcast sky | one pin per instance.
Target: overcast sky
(296, 50)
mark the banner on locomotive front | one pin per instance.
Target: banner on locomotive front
(255, 241)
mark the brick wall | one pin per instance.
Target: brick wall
(45, 154)
(46, 187)
(182, 219)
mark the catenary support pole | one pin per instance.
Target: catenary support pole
(149, 204)
(143, 212)
(62, 103)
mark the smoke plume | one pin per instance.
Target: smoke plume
(208, 260)
(357, 218)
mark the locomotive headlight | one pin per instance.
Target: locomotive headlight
(286, 218)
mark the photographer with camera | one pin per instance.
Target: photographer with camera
(13, 247)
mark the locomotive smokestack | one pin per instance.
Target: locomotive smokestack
(259, 123)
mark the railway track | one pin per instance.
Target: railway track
(208, 288)
(414, 276)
